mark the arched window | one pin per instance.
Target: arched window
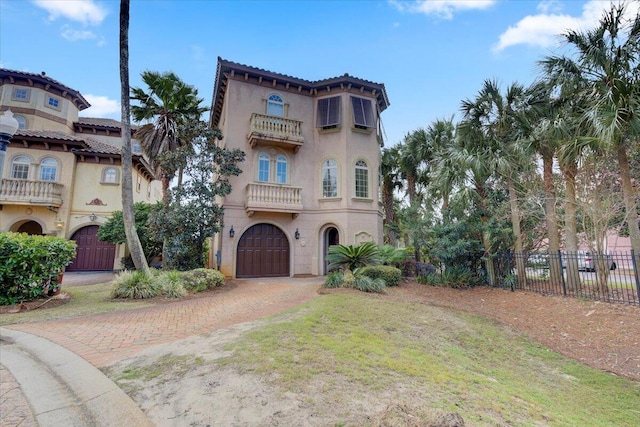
(281, 170)
(22, 122)
(275, 105)
(110, 175)
(330, 178)
(20, 167)
(48, 169)
(263, 168)
(362, 179)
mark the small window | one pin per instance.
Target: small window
(135, 147)
(20, 167)
(328, 113)
(281, 170)
(22, 122)
(148, 191)
(138, 183)
(330, 179)
(110, 176)
(53, 102)
(21, 94)
(275, 105)
(362, 113)
(264, 163)
(362, 179)
(48, 169)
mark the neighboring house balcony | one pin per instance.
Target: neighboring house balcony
(274, 130)
(263, 197)
(28, 192)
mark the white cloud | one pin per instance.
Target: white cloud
(101, 106)
(444, 9)
(74, 35)
(85, 11)
(542, 30)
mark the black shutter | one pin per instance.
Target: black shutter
(362, 112)
(328, 112)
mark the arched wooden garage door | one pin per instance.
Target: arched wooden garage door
(263, 251)
(92, 255)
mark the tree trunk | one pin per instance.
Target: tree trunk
(555, 267)
(515, 221)
(570, 224)
(629, 203)
(133, 241)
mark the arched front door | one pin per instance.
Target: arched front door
(263, 251)
(30, 227)
(331, 237)
(92, 254)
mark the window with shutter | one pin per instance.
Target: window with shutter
(362, 113)
(328, 113)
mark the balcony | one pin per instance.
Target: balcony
(26, 192)
(263, 197)
(273, 130)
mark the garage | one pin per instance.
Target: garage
(92, 254)
(263, 251)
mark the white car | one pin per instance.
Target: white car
(587, 262)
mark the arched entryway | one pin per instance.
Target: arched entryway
(92, 254)
(30, 227)
(330, 237)
(263, 251)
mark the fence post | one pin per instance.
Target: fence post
(636, 273)
(564, 284)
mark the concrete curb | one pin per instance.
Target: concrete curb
(64, 389)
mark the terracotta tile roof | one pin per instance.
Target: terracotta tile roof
(47, 134)
(101, 147)
(225, 66)
(96, 121)
(74, 95)
(88, 145)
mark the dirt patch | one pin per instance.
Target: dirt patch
(38, 304)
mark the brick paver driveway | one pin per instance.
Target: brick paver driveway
(107, 338)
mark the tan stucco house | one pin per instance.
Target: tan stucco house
(61, 174)
(311, 174)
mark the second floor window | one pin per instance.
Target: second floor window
(362, 179)
(22, 122)
(330, 179)
(272, 170)
(20, 167)
(275, 105)
(110, 176)
(48, 169)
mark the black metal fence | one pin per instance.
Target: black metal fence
(611, 277)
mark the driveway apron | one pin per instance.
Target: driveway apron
(107, 338)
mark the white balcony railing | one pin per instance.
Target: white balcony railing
(27, 192)
(275, 130)
(273, 198)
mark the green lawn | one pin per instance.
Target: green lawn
(350, 346)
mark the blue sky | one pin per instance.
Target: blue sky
(429, 54)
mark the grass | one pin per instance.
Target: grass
(351, 345)
(87, 300)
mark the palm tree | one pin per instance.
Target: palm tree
(390, 183)
(442, 174)
(608, 59)
(133, 241)
(171, 104)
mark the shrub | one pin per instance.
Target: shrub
(29, 265)
(334, 280)
(390, 255)
(390, 275)
(352, 257)
(134, 285)
(202, 279)
(367, 284)
(171, 284)
(453, 277)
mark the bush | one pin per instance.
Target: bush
(390, 275)
(367, 284)
(29, 265)
(171, 284)
(453, 277)
(334, 280)
(202, 279)
(134, 285)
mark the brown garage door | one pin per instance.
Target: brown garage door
(92, 255)
(263, 251)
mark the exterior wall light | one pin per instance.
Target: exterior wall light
(297, 234)
(232, 232)
(93, 217)
(59, 224)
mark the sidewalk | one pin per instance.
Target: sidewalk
(64, 354)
